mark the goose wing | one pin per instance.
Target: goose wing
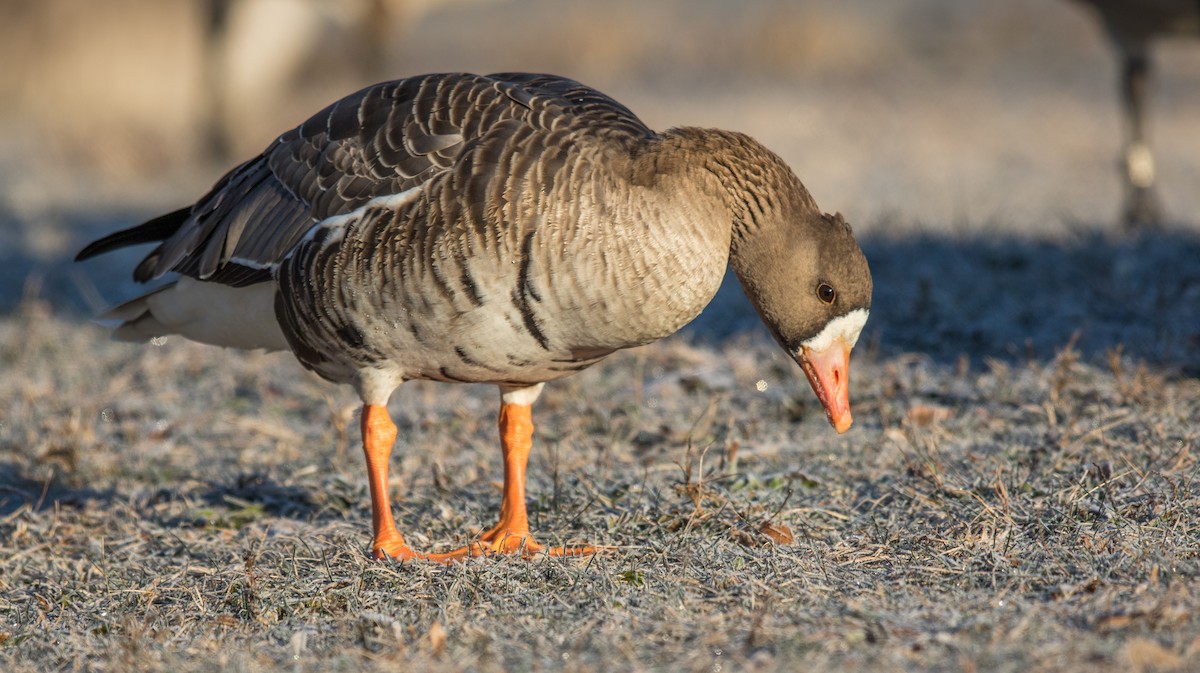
(382, 140)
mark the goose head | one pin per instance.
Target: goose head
(809, 280)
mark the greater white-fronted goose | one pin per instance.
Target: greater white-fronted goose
(509, 229)
(1131, 26)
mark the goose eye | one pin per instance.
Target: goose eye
(825, 293)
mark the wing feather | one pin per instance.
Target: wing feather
(383, 140)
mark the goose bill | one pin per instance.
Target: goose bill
(828, 373)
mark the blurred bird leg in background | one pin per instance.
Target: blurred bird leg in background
(1131, 26)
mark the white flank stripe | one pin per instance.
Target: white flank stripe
(846, 327)
(385, 202)
(250, 263)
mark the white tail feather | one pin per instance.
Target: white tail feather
(211, 313)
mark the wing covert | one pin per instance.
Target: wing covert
(382, 140)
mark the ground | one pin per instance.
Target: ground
(1019, 492)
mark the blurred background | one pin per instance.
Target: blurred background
(950, 117)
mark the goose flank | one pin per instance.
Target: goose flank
(509, 229)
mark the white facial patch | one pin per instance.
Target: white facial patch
(845, 327)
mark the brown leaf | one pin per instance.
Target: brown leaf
(778, 532)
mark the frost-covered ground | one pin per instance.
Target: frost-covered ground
(1019, 492)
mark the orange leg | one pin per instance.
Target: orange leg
(379, 434)
(511, 534)
(516, 440)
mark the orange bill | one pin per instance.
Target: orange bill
(828, 373)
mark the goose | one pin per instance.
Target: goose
(1131, 26)
(509, 229)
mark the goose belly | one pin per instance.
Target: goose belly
(528, 331)
(503, 342)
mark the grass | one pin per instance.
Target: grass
(1019, 492)
(176, 507)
